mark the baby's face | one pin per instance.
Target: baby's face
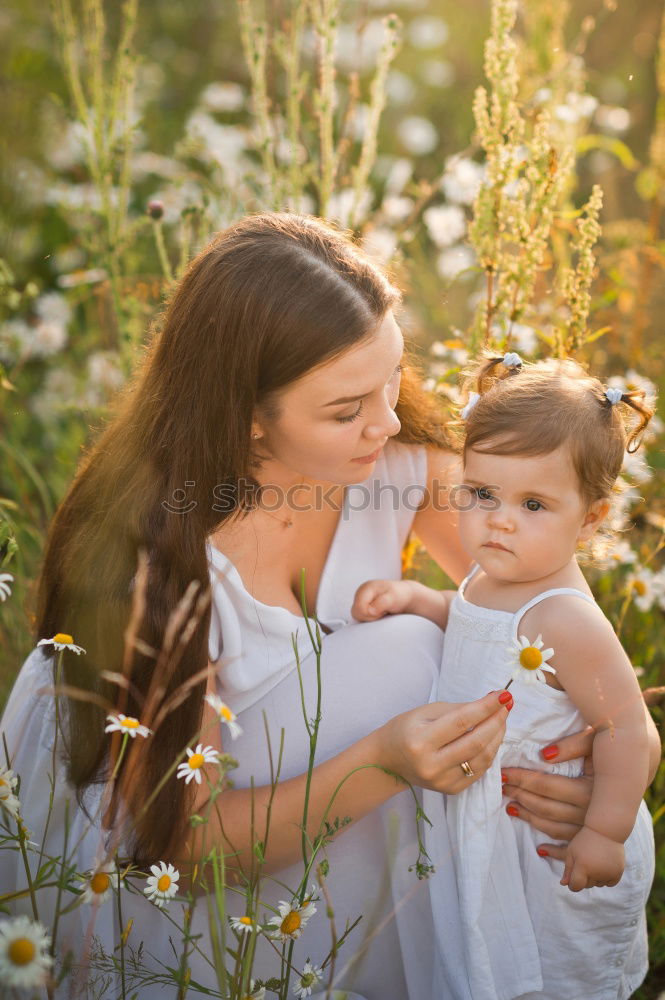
(525, 514)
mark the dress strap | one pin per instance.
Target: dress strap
(556, 592)
(472, 572)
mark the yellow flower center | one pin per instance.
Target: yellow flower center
(530, 658)
(3, 783)
(63, 637)
(129, 723)
(163, 882)
(226, 713)
(247, 921)
(21, 951)
(640, 586)
(100, 882)
(290, 923)
(196, 761)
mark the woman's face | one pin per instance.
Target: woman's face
(334, 421)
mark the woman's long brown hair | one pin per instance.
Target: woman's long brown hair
(267, 300)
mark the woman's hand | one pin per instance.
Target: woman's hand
(428, 745)
(551, 803)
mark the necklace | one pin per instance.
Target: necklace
(286, 522)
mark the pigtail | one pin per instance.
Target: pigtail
(512, 364)
(484, 375)
(636, 399)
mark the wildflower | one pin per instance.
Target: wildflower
(446, 224)
(642, 589)
(529, 660)
(612, 119)
(437, 72)
(24, 957)
(380, 243)
(104, 371)
(126, 724)
(162, 885)
(223, 97)
(100, 883)
(8, 782)
(225, 714)
(523, 338)
(453, 261)
(396, 207)
(417, 135)
(53, 308)
(462, 179)
(46, 339)
(191, 768)
(61, 641)
(243, 925)
(5, 589)
(428, 32)
(155, 209)
(291, 920)
(617, 552)
(635, 466)
(257, 993)
(311, 976)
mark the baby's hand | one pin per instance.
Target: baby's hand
(377, 598)
(592, 859)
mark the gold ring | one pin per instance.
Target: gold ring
(468, 770)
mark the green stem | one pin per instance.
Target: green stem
(161, 250)
(60, 881)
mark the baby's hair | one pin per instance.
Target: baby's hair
(535, 408)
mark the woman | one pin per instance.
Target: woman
(279, 365)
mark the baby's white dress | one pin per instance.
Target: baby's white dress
(371, 672)
(522, 934)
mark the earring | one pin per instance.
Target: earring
(255, 436)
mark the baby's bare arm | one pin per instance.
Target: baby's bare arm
(594, 670)
(377, 598)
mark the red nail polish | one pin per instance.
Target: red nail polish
(542, 852)
(504, 778)
(505, 697)
(512, 810)
(550, 752)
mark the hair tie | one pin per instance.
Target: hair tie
(614, 395)
(512, 360)
(473, 399)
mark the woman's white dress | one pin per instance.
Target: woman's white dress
(370, 673)
(521, 933)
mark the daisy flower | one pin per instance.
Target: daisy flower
(311, 976)
(100, 883)
(225, 714)
(191, 768)
(24, 957)
(291, 920)
(243, 925)
(8, 782)
(126, 724)
(641, 588)
(529, 660)
(61, 641)
(162, 885)
(5, 589)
